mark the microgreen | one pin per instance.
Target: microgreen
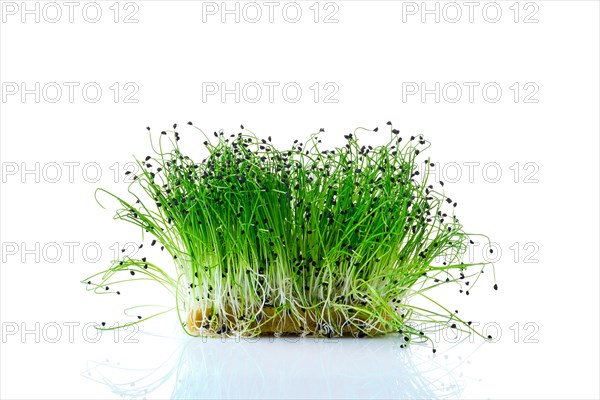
(305, 240)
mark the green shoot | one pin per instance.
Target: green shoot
(306, 241)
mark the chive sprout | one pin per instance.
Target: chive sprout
(308, 241)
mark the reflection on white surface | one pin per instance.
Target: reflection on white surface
(284, 368)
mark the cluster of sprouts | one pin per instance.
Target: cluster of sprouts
(307, 241)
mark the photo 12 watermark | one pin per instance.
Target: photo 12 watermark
(67, 252)
(516, 332)
(270, 92)
(69, 172)
(470, 92)
(253, 12)
(524, 252)
(481, 171)
(53, 12)
(452, 12)
(67, 332)
(69, 92)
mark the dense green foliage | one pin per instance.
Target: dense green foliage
(336, 240)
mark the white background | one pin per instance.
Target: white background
(546, 311)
